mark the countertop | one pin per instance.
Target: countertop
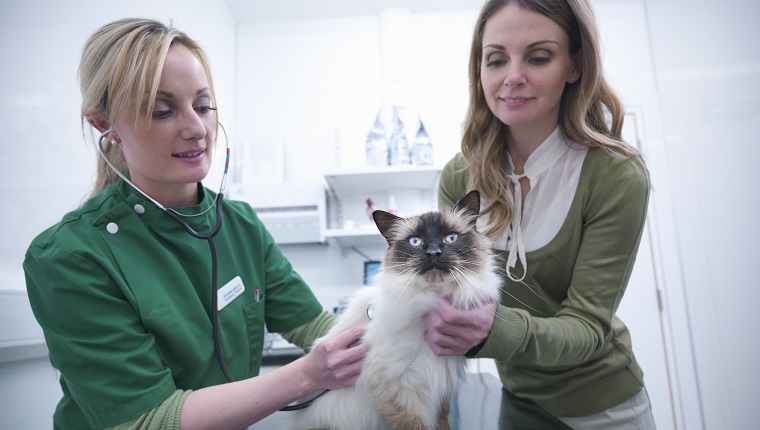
(479, 404)
(20, 336)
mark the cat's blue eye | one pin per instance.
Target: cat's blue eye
(451, 238)
(415, 241)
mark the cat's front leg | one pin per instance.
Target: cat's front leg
(399, 418)
(401, 407)
(443, 415)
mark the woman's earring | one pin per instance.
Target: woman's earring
(114, 142)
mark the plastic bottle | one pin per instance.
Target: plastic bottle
(399, 150)
(376, 145)
(422, 149)
(370, 208)
(392, 208)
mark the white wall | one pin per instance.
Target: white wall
(46, 167)
(315, 86)
(708, 80)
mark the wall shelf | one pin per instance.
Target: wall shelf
(414, 188)
(374, 179)
(363, 236)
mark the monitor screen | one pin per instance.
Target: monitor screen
(371, 269)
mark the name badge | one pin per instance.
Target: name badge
(229, 292)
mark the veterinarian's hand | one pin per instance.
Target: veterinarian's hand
(337, 362)
(452, 331)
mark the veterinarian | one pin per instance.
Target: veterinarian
(564, 201)
(125, 287)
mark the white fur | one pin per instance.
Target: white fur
(400, 359)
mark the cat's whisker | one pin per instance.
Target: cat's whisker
(396, 266)
(465, 282)
(407, 277)
(496, 316)
(502, 271)
(525, 304)
(468, 273)
(460, 279)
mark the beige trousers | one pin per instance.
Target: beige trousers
(633, 414)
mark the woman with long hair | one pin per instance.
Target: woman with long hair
(564, 201)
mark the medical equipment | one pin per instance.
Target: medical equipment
(208, 236)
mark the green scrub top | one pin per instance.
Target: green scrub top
(123, 295)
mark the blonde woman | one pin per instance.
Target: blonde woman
(128, 299)
(564, 201)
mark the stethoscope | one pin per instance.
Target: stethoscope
(208, 237)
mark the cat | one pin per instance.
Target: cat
(403, 384)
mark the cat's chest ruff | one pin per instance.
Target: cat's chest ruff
(371, 311)
(398, 317)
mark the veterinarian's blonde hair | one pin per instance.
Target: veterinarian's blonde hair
(121, 65)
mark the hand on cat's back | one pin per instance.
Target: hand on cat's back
(453, 332)
(337, 362)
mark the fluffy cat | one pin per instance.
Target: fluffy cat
(403, 384)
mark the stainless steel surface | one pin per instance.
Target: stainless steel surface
(278, 351)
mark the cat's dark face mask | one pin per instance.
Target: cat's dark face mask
(434, 241)
(434, 245)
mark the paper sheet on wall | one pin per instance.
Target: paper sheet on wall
(263, 161)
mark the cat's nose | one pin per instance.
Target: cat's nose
(433, 250)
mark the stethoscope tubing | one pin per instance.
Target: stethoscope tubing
(209, 237)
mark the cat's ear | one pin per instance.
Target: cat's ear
(385, 222)
(470, 203)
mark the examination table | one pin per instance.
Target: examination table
(480, 404)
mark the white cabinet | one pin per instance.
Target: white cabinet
(21, 337)
(415, 189)
(293, 212)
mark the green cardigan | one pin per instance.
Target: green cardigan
(573, 357)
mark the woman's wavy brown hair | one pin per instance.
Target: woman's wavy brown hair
(591, 114)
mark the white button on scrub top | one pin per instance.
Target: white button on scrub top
(139, 209)
(112, 227)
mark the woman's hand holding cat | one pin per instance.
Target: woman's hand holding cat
(452, 331)
(337, 362)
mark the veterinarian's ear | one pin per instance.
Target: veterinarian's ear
(385, 222)
(471, 205)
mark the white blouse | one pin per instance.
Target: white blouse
(553, 170)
